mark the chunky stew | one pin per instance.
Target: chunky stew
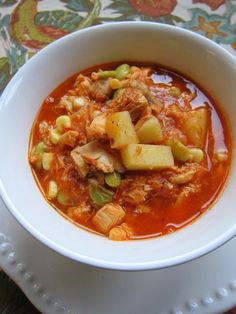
(130, 151)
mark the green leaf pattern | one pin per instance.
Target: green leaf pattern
(66, 20)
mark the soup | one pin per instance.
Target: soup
(130, 151)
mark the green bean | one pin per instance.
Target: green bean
(179, 150)
(99, 195)
(122, 71)
(63, 199)
(105, 74)
(113, 179)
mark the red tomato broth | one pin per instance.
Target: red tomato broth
(165, 216)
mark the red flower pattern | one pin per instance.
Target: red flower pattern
(213, 4)
(153, 7)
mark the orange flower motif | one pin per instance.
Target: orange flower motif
(153, 7)
(213, 4)
(209, 28)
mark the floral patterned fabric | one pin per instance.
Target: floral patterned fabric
(28, 25)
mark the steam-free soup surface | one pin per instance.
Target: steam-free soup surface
(130, 151)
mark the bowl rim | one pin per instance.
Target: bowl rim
(102, 263)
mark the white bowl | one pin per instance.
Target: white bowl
(202, 60)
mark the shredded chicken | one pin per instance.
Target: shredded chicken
(131, 100)
(69, 138)
(81, 166)
(97, 128)
(101, 90)
(83, 85)
(183, 178)
(99, 158)
(84, 211)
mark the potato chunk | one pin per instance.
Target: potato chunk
(149, 130)
(147, 157)
(108, 216)
(120, 129)
(195, 126)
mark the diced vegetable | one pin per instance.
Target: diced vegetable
(195, 124)
(197, 154)
(184, 153)
(47, 160)
(147, 157)
(63, 199)
(103, 74)
(149, 130)
(120, 129)
(108, 216)
(38, 152)
(63, 122)
(122, 71)
(117, 234)
(113, 179)
(99, 195)
(115, 83)
(52, 189)
(54, 136)
(39, 148)
(179, 150)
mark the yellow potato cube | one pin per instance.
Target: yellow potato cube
(195, 124)
(120, 129)
(149, 130)
(147, 157)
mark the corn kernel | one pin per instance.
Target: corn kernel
(47, 159)
(63, 122)
(54, 136)
(115, 83)
(52, 189)
(222, 155)
(197, 154)
(79, 102)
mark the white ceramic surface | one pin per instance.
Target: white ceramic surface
(204, 61)
(55, 284)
